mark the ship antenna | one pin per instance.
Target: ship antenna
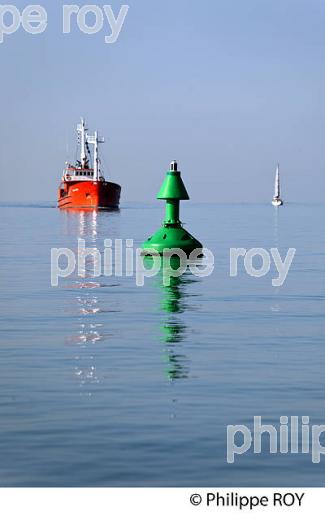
(96, 156)
(95, 140)
(82, 130)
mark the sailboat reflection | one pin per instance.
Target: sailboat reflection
(275, 306)
(174, 330)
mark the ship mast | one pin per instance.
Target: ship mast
(96, 175)
(95, 140)
(82, 135)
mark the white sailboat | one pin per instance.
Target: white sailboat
(277, 201)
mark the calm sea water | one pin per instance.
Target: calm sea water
(103, 383)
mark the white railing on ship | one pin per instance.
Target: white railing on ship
(78, 173)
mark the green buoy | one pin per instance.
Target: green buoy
(171, 235)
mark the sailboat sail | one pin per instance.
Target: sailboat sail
(277, 183)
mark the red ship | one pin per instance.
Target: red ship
(83, 186)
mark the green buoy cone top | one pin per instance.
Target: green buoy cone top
(173, 186)
(171, 235)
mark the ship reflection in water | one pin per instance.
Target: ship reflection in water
(88, 303)
(174, 303)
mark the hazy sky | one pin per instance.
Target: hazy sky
(227, 87)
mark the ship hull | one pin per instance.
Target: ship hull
(89, 195)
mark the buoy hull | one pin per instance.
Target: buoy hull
(168, 238)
